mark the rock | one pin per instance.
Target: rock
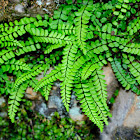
(125, 133)
(19, 8)
(132, 118)
(11, 10)
(111, 81)
(41, 75)
(125, 113)
(3, 114)
(39, 2)
(75, 114)
(48, 2)
(14, 1)
(55, 102)
(2, 102)
(30, 94)
(42, 108)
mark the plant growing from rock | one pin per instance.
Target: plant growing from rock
(32, 126)
(82, 38)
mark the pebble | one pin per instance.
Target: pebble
(19, 8)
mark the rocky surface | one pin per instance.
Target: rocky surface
(125, 111)
(125, 114)
(16, 9)
(19, 8)
(3, 112)
(111, 81)
(30, 94)
(54, 103)
(2, 101)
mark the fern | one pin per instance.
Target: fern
(77, 42)
(15, 97)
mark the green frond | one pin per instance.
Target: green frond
(100, 86)
(50, 78)
(50, 48)
(54, 37)
(87, 70)
(91, 105)
(82, 19)
(29, 46)
(69, 53)
(134, 68)
(14, 64)
(99, 47)
(14, 99)
(46, 91)
(123, 77)
(34, 72)
(133, 65)
(33, 82)
(5, 55)
(133, 48)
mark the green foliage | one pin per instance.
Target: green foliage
(84, 37)
(112, 99)
(32, 126)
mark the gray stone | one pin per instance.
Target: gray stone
(30, 94)
(2, 101)
(75, 114)
(126, 133)
(55, 102)
(111, 81)
(132, 118)
(19, 8)
(3, 114)
(43, 109)
(125, 113)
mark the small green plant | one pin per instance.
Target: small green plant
(78, 41)
(32, 126)
(112, 99)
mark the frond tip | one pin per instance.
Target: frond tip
(91, 104)
(14, 99)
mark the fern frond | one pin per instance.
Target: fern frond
(10, 35)
(46, 91)
(34, 72)
(53, 37)
(50, 48)
(133, 48)
(87, 62)
(123, 77)
(134, 68)
(133, 26)
(50, 78)
(11, 27)
(133, 65)
(100, 86)
(82, 19)
(5, 55)
(99, 47)
(14, 64)
(10, 43)
(69, 52)
(29, 46)
(15, 97)
(90, 103)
